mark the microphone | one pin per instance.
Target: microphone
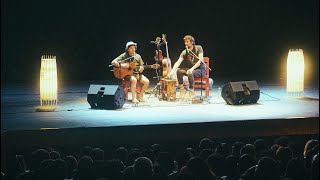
(187, 49)
(153, 42)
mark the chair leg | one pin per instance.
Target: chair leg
(207, 88)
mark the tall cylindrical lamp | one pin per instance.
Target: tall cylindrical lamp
(48, 84)
(295, 73)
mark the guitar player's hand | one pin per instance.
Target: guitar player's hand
(141, 69)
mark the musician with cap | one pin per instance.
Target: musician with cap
(130, 51)
(189, 65)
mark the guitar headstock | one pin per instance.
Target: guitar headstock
(164, 38)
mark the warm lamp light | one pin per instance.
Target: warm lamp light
(295, 73)
(48, 84)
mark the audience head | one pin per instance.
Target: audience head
(245, 162)
(54, 155)
(122, 154)
(143, 169)
(236, 147)
(128, 173)
(282, 141)
(206, 143)
(37, 157)
(309, 146)
(247, 149)
(222, 149)
(97, 154)
(259, 147)
(132, 156)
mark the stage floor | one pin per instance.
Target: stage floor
(18, 105)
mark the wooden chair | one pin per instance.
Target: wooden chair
(126, 87)
(205, 79)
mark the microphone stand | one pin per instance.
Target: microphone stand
(201, 60)
(158, 86)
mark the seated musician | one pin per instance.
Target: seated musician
(188, 65)
(131, 48)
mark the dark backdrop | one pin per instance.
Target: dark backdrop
(246, 39)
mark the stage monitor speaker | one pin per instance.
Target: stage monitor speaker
(106, 96)
(243, 92)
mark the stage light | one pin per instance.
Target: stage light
(295, 73)
(48, 84)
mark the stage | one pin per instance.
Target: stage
(18, 105)
(75, 124)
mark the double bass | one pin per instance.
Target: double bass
(168, 85)
(166, 62)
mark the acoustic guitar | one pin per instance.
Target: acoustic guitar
(120, 73)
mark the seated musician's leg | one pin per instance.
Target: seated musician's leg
(133, 81)
(145, 83)
(191, 84)
(180, 74)
(197, 72)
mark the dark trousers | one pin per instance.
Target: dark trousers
(196, 73)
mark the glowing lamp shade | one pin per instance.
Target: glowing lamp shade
(48, 84)
(295, 73)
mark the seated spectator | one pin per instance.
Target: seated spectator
(85, 169)
(60, 170)
(283, 155)
(308, 160)
(267, 169)
(97, 154)
(231, 168)
(206, 143)
(199, 168)
(72, 165)
(122, 154)
(309, 146)
(132, 156)
(246, 161)
(216, 164)
(143, 169)
(296, 170)
(259, 147)
(236, 147)
(128, 173)
(315, 167)
(222, 149)
(248, 149)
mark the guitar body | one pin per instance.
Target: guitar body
(120, 73)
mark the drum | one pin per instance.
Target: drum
(169, 89)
